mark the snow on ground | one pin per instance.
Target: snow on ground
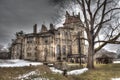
(115, 79)
(29, 75)
(55, 70)
(116, 61)
(17, 63)
(77, 72)
(73, 72)
(39, 78)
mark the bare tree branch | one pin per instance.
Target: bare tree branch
(99, 7)
(103, 22)
(111, 42)
(82, 4)
(106, 42)
(111, 10)
(102, 18)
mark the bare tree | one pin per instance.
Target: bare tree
(101, 18)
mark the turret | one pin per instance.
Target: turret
(51, 26)
(78, 14)
(71, 18)
(44, 28)
(73, 13)
(35, 29)
(67, 14)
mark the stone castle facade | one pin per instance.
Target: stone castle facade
(50, 45)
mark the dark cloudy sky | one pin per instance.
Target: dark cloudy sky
(16, 15)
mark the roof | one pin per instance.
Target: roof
(64, 28)
(105, 54)
(50, 32)
(72, 19)
(44, 28)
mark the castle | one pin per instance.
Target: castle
(50, 45)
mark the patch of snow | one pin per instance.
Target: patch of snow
(115, 79)
(39, 78)
(26, 76)
(77, 72)
(116, 61)
(50, 64)
(72, 64)
(73, 72)
(55, 70)
(17, 63)
(29, 75)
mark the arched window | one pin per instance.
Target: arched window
(64, 50)
(58, 52)
(58, 49)
(66, 33)
(51, 51)
(69, 49)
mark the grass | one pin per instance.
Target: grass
(12, 73)
(101, 72)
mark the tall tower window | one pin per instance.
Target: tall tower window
(58, 49)
(64, 50)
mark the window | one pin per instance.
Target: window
(64, 50)
(66, 33)
(29, 40)
(57, 40)
(58, 33)
(69, 49)
(28, 54)
(51, 51)
(29, 48)
(58, 49)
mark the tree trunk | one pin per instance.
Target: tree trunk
(90, 63)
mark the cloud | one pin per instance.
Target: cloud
(16, 15)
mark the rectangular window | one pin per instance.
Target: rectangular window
(28, 54)
(29, 39)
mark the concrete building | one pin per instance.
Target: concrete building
(53, 44)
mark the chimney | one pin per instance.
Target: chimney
(51, 26)
(73, 13)
(79, 14)
(43, 28)
(35, 29)
(67, 14)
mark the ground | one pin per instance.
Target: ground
(17, 72)
(101, 72)
(42, 72)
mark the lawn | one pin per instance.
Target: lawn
(13, 72)
(101, 72)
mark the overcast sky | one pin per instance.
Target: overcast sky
(16, 15)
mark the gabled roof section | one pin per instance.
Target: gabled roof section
(72, 18)
(44, 28)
